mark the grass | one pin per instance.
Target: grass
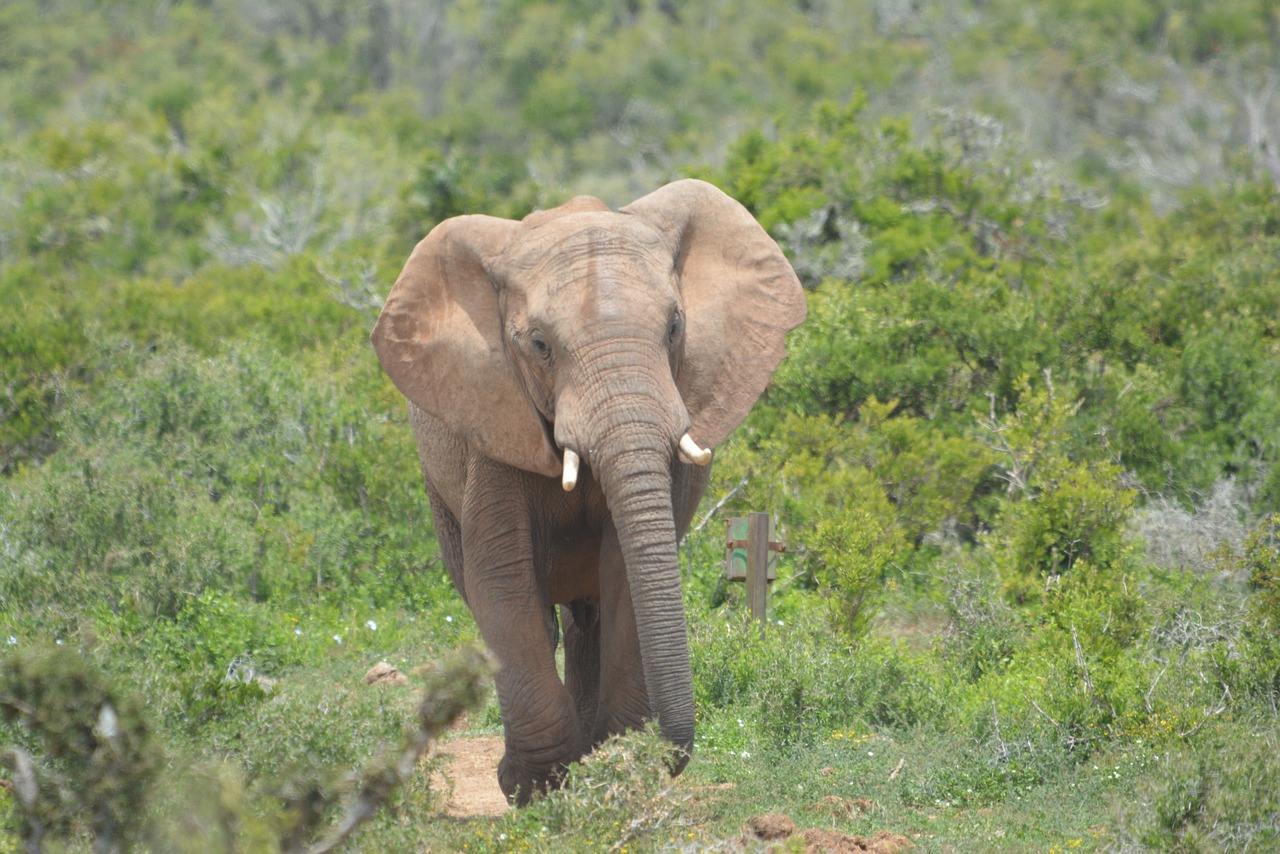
(845, 783)
(896, 733)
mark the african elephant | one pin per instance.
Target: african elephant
(597, 349)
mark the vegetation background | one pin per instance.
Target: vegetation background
(1025, 452)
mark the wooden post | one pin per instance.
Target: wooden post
(757, 563)
(747, 557)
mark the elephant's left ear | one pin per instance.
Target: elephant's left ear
(741, 298)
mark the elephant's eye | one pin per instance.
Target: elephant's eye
(677, 326)
(539, 344)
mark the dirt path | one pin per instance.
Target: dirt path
(471, 776)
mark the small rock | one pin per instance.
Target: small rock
(385, 673)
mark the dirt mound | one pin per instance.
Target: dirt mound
(776, 828)
(838, 807)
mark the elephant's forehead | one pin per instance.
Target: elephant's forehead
(587, 248)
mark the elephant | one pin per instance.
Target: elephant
(567, 377)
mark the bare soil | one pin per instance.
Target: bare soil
(779, 828)
(470, 775)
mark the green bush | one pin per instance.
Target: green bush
(236, 474)
(1221, 792)
(1258, 669)
(1261, 558)
(114, 531)
(89, 762)
(620, 796)
(88, 765)
(784, 687)
(1061, 512)
(984, 631)
(850, 556)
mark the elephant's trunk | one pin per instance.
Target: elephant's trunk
(638, 489)
(636, 423)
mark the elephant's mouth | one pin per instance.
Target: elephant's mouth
(569, 458)
(689, 451)
(548, 431)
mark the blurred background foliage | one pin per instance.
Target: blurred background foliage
(1024, 452)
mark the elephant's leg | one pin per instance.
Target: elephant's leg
(538, 715)
(449, 535)
(581, 620)
(624, 699)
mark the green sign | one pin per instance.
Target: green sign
(735, 556)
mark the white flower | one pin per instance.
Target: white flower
(108, 722)
(13, 641)
(58, 641)
(373, 627)
(337, 639)
(448, 618)
(298, 632)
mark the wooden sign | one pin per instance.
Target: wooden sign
(751, 555)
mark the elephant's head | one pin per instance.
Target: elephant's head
(620, 338)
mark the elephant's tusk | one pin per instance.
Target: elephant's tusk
(570, 478)
(692, 452)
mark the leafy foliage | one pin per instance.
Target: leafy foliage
(108, 765)
(97, 740)
(622, 790)
(228, 474)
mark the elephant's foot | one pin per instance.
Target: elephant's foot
(520, 779)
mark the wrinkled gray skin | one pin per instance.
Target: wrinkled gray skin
(610, 335)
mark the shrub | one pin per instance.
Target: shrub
(622, 792)
(798, 684)
(92, 766)
(849, 555)
(1218, 793)
(1195, 540)
(984, 631)
(1261, 631)
(1061, 511)
(113, 530)
(99, 756)
(1104, 606)
(1261, 558)
(238, 473)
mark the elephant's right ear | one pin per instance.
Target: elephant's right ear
(439, 338)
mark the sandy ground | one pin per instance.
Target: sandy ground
(470, 775)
